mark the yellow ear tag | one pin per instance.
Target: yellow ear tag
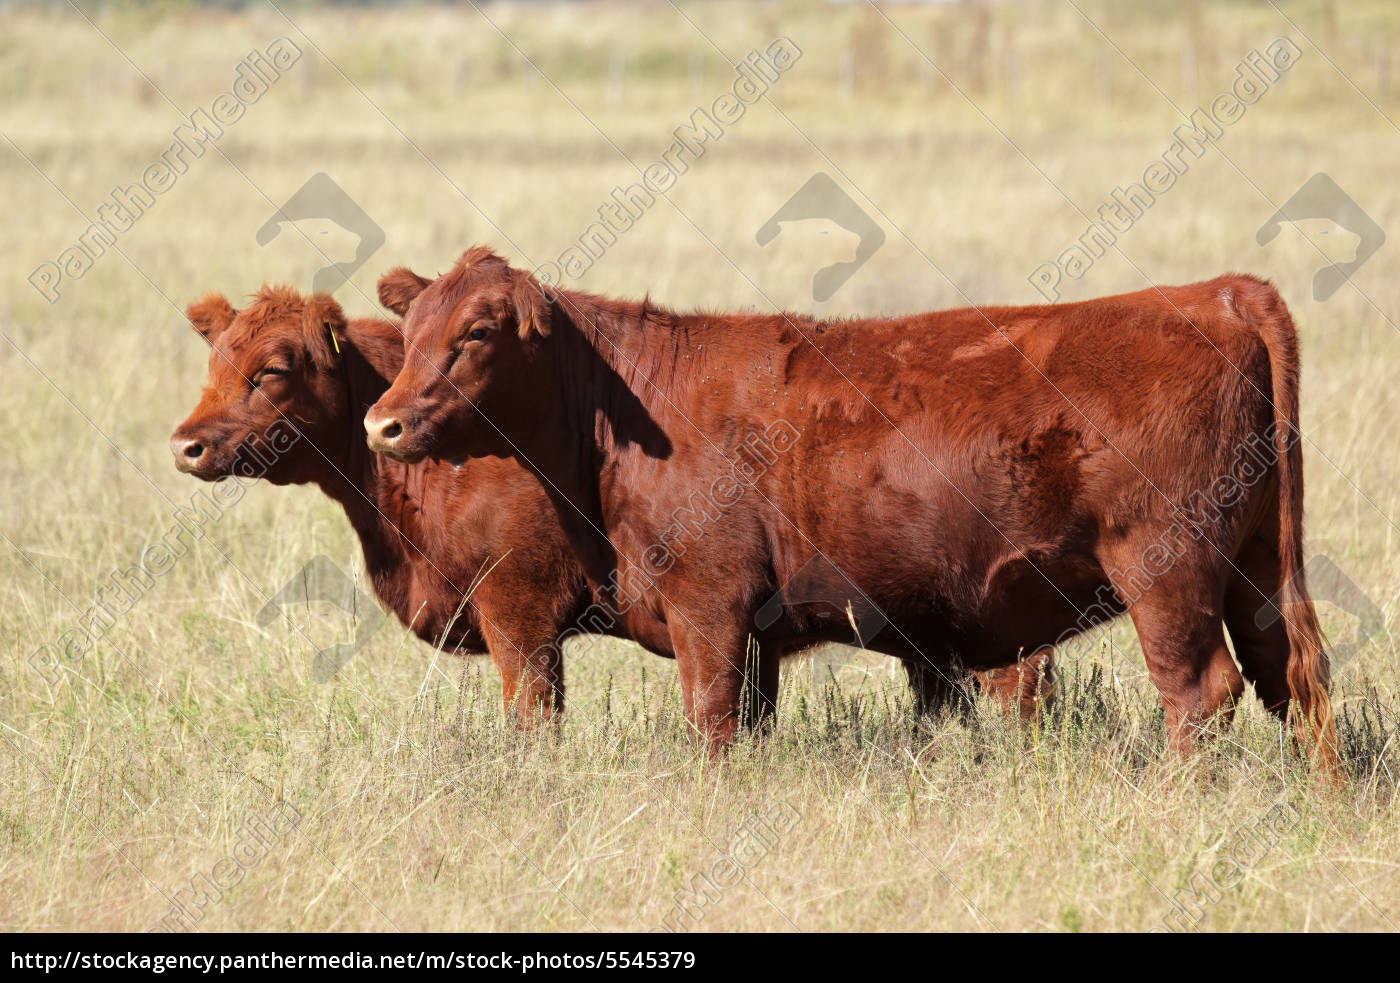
(334, 341)
(530, 321)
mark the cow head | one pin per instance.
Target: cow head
(276, 403)
(471, 338)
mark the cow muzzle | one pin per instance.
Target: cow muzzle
(189, 452)
(384, 432)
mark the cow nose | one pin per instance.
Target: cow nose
(383, 431)
(187, 451)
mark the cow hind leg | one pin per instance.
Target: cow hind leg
(1179, 623)
(1262, 652)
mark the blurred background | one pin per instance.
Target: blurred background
(902, 157)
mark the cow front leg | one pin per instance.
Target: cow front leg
(531, 666)
(726, 682)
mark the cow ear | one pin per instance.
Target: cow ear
(327, 323)
(398, 287)
(211, 315)
(532, 308)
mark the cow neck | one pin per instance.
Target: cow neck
(382, 498)
(597, 343)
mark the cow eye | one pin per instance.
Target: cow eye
(271, 370)
(476, 334)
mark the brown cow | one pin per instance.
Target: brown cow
(429, 532)
(996, 479)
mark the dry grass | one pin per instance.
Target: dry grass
(419, 809)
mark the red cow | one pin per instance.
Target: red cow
(430, 532)
(984, 483)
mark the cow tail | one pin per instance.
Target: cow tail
(1308, 672)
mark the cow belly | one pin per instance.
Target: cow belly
(1034, 602)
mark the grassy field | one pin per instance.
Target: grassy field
(981, 139)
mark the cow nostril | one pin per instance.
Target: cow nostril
(393, 431)
(194, 450)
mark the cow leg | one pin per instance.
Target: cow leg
(936, 688)
(1183, 642)
(1025, 687)
(1262, 652)
(715, 664)
(761, 687)
(531, 665)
